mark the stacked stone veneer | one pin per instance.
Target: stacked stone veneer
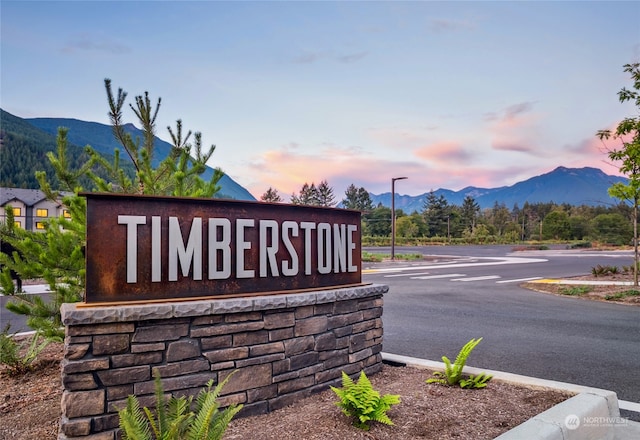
(284, 347)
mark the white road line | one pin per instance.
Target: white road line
(488, 277)
(482, 261)
(407, 274)
(431, 277)
(519, 280)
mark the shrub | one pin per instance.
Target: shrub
(174, 419)
(600, 270)
(453, 372)
(360, 401)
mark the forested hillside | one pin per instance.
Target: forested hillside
(23, 151)
(24, 144)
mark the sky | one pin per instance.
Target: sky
(447, 94)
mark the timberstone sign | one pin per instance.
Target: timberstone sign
(195, 289)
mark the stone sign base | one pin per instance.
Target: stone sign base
(282, 347)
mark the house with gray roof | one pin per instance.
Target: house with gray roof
(31, 208)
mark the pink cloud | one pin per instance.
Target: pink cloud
(515, 129)
(443, 152)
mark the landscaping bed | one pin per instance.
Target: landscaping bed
(30, 408)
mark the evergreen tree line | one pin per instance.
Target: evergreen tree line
(468, 223)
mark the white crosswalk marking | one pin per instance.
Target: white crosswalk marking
(488, 277)
(431, 277)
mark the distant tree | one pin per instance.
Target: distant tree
(357, 198)
(325, 195)
(271, 196)
(500, 217)
(556, 226)
(611, 229)
(308, 195)
(436, 214)
(469, 213)
(579, 227)
(379, 221)
(628, 154)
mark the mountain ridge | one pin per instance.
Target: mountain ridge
(100, 137)
(575, 186)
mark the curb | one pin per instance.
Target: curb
(593, 413)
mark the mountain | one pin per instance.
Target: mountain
(575, 186)
(101, 138)
(23, 151)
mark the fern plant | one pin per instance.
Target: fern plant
(174, 420)
(453, 372)
(360, 401)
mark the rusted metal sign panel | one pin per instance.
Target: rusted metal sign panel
(142, 248)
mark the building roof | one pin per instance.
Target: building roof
(28, 196)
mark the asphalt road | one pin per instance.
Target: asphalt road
(433, 309)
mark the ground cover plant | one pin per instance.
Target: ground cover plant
(362, 403)
(173, 419)
(452, 374)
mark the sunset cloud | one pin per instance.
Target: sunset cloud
(515, 129)
(444, 152)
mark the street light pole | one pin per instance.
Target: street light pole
(393, 215)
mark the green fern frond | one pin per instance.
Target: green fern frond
(477, 381)
(178, 421)
(132, 421)
(360, 401)
(453, 372)
(160, 404)
(210, 423)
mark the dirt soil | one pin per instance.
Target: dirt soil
(30, 403)
(30, 408)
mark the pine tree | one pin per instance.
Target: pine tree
(325, 195)
(271, 196)
(57, 254)
(436, 212)
(357, 198)
(308, 196)
(469, 213)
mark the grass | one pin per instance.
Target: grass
(376, 257)
(621, 295)
(575, 291)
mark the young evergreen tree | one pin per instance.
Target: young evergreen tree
(271, 196)
(469, 213)
(436, 213)
(325, 195)
(308, 195)
(357, 198)
(57, 253)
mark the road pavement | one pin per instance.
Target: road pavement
(433, 309)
